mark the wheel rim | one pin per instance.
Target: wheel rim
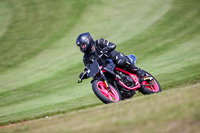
(111, 95)
(154, 88)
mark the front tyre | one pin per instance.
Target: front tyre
(149, 89)
(103, 93)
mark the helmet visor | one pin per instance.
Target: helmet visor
(83, 47)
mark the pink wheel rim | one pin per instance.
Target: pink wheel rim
(154, 88)
(111, 95)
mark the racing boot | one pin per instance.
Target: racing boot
(140, 73)
(143, 76)
(132, 68)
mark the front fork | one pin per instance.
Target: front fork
(104, 78)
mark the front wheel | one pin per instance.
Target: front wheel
(149, 89)
(103, 93)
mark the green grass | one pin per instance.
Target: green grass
(176, 110)
(40, 63)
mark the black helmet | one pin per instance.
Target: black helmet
(85, 42)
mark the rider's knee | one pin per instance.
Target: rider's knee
(120, 60)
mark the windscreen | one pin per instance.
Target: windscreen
(93, 69)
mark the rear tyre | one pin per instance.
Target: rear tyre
(145, 89)
(103, 93)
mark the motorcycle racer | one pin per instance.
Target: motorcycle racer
(101, 50)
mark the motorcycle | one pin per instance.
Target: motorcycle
(112, 84)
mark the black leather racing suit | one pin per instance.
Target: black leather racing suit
(108, 48)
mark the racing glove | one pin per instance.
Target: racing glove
(84, 77)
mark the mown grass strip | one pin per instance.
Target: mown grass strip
(175, 110)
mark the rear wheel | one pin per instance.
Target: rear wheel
(102, 92)
(147, 88)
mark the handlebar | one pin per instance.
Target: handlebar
(80, 80)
